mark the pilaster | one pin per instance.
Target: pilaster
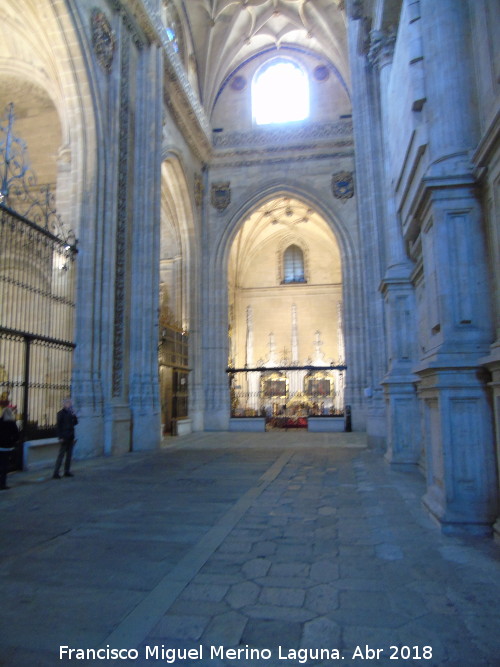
(447, 240)
(145, 256)
(461, 469)
(370, 193)
(403, 441)
(493, 364)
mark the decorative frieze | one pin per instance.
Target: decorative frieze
(251, 158)
(285, 135)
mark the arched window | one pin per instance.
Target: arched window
(293, 265)
(280, 93)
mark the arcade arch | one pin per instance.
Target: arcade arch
(41, 111)
(178, 271)
(278, 324)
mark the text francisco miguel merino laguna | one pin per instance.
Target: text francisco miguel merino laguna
(171, 655)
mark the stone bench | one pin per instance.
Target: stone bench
(39, 454)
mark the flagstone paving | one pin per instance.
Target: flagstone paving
(289, 548)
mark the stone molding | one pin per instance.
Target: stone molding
(319, 141)
(250, 158)
(179, 95)
(284, 136)
(140, 40)
(186, 107)
(121, 227)
(489, 143)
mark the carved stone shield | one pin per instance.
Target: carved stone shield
(343, 185)
(103, 39)
(221, 195)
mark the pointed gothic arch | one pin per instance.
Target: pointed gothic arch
(56, 69)
(179, 300)
(217, 408)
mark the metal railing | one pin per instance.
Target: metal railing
(288, 395)
(37, 253)
(36, 322)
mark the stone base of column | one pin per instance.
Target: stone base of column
(117, 431)
(196, 411)
(403, 425)
(89, 436)
(146, 432)
(376, 428)
(462, 486)
(492, 363)
(217, 412)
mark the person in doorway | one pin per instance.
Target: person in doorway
(66, 422)
(9, 435)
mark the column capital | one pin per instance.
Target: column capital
(381, 48)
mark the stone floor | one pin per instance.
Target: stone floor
(291, 548)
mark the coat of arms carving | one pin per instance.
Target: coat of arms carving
(343, 185)
(103, 39)
(221, 195)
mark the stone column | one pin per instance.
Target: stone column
(369, 198)
(403, 441)
(215, 344)
(144, 306)
(253, 379)
(458, 426)
(486, 160)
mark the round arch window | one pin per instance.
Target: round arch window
(280, 93)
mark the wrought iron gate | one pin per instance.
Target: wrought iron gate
(37, 275)
(287, 395)
(174, 376)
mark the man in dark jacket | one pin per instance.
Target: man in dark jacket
(9, 435)
(66, 422)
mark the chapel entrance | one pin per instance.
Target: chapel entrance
(37, 276)
(286, 345)
(177, 275)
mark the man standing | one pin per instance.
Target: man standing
(66, 422)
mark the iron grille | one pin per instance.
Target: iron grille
(36, 322)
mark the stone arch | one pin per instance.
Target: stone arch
(56, 66)
(216, 317)
(178, 227)
(59, 67)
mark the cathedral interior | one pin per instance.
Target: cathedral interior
(261, 218)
